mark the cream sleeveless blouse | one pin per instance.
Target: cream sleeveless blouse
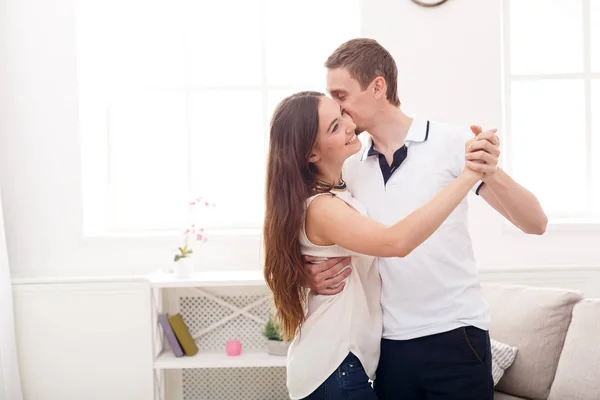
(350, 321)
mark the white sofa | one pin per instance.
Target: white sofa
(557, 334)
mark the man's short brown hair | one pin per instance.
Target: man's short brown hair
(365, 59)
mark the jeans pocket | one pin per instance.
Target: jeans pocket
(354, 368)
(476, 342)
(355, 379)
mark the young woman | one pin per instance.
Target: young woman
(336, 339)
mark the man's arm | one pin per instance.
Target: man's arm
(514, 202)
(500, 191)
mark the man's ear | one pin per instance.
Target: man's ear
(379, 87)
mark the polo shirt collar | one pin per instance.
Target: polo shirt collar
(417, 132)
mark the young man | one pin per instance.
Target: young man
(435, 341)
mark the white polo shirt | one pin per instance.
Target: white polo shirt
(435, 288)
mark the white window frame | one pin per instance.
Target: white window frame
(557, 223)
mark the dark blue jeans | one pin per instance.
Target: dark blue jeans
(454, 365)
(348, 382)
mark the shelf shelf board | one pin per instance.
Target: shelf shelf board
(215, 359)
(208, 279)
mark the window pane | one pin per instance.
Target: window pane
(162, 81)
(300, 35)
(548, 142)
(596, 147)
(146, 42)
(148, 160)
(595, 43)
(546, 36)
(225, 46)
(228, 155)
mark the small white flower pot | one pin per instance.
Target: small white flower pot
(183, 268)
(277, 348)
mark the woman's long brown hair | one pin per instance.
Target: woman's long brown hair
(290, 181)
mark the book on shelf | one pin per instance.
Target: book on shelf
(170, 335)
(183, 335)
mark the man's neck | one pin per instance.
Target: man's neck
(390, 130)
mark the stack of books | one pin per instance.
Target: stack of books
(178, 335)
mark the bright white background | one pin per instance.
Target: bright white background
(105, 135)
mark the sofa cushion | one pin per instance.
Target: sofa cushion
(504, 396)
(535, 320)
(577, 375)
(503, 356)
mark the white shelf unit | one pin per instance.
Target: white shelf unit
(166, 291)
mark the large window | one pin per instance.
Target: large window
(176, 97)
(552, 77)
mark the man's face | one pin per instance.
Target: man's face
(357, 103)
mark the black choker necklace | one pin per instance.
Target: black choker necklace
(341, 186)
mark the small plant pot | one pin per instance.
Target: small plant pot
(183, 268)
(277, 347)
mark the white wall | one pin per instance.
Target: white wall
(39, 166)
(85, 340)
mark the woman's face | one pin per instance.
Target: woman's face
(336, 140)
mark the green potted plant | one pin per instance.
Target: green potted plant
(275, 344)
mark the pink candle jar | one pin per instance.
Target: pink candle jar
(233, 348)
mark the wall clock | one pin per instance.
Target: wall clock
(429, 3)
